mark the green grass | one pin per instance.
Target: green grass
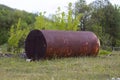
(81, 68)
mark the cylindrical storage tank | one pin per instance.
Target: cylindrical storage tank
(47, 43)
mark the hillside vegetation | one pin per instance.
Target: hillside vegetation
(100, 17)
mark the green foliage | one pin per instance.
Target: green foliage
(108, 17)
(117, 42)
(3, 36)
(104, 52)
(81, 7)
(19, 31)
(3, 48)
(102, 18)
(15, 34)
(105, 39)
(42, 22)
(59, 21)
(112, 22)
(4, 22)
(9, 17)
(17, 37)
(64, 21)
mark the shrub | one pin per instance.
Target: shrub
(104, 52)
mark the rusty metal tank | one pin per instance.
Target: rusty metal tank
(48, 43)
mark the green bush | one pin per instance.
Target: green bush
(17, 37)
(3, 48)
(104, 52)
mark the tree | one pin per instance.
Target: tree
(81, 7)
(59, 21)
(17, 37)
(68, 21)
(102, 18)
(9, 17)
(4, 23)
(108, 17)
(112, 22)
(42, 22)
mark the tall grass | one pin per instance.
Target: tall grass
(80, 68)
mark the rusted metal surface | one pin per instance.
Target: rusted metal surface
(46, 44)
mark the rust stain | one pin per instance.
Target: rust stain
(46, 44)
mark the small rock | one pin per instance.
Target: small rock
(28, 60)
